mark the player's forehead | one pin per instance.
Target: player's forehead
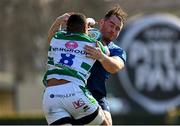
(114, 20)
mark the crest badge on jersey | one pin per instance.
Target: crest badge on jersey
(71, 44)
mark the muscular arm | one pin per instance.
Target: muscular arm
(57, 25)
(53, 29)
(111, 64)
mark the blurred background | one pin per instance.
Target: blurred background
(146, 92)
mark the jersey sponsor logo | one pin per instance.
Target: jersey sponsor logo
(151, 77)
(62, 95)
(79, 103)
(71, 45)
(77, 51)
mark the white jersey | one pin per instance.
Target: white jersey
(67, 60)
(66, 56)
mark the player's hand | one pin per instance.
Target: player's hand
(94, 52)
(91, 22)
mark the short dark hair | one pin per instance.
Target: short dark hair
(118, 12)
(76, 23)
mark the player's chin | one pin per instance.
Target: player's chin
(112, 38)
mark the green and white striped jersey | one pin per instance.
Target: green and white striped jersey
(66, 56)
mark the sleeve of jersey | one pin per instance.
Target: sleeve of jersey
(119, 52)
(104, 49)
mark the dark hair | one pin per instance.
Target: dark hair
(118, 12)
(76, 23)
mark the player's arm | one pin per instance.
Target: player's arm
(111, 64)
(57, 25)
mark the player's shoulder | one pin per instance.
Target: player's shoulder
(115, 49)
(60, 34)
(74, 36)
(112, 45)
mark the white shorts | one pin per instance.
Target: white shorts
(70, 100)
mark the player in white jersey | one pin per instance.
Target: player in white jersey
(66, 99)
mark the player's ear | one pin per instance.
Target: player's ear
(101, 22)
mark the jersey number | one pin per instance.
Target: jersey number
(67, 59)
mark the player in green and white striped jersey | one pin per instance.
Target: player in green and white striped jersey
(70, 102)
(66, 56)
